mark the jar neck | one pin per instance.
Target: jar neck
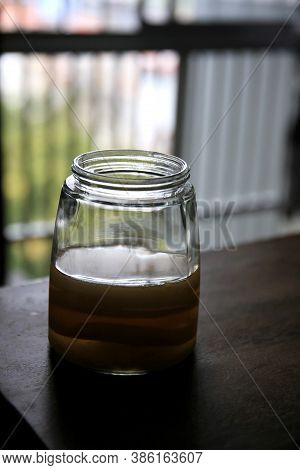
(130, 172)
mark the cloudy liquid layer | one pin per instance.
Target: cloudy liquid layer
(140, 319)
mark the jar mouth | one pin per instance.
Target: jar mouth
(130, 169)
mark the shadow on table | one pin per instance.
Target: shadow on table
(118, 412)
(15, 432)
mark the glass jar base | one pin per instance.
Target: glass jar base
(155, 359)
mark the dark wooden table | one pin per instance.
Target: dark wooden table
(239, 390)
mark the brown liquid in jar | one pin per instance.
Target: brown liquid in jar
(146, 318)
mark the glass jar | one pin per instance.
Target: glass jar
(125, 268)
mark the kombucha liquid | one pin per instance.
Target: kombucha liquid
(140, 319)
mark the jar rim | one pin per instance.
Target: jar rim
(129, 169)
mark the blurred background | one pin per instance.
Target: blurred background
(195, 78)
